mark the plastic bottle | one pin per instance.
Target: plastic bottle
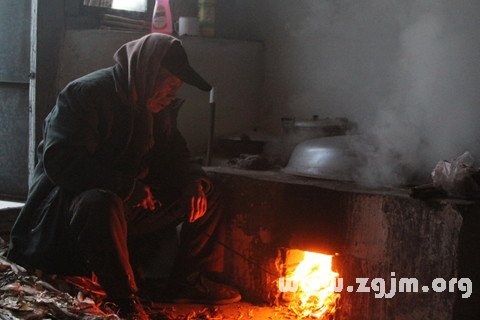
(162, 17)
(206, 17)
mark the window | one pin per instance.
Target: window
(128, 5)
(94, 14)
(131, 5)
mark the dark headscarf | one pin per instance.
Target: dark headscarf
(140, 61)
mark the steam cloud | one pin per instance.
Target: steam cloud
(433, 111)
(406, 71)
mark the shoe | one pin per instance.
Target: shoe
(129, 308)
(198, 289)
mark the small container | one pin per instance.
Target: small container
(206, 17)
(162, 17)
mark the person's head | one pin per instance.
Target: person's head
(149, 69)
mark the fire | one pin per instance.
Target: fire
(315, 296)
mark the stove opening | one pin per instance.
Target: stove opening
(308, 285)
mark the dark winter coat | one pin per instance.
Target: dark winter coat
(94, 139)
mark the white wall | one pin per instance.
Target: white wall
(235, 69)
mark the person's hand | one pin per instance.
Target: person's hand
(195, 201)
(149, 202)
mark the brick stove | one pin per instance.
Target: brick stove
(373, 233)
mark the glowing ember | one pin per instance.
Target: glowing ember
(315, 296)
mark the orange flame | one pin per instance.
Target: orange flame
(315, 296)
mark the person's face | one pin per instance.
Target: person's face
(164, 94)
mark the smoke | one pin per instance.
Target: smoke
(433, 110)
(406, 71)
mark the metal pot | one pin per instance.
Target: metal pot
(327, 157)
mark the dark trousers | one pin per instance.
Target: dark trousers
(115, 240)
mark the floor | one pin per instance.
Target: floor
(25, 296)
(237, 311)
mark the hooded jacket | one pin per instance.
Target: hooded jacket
(98, 137)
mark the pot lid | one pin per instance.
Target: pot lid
(326, 157)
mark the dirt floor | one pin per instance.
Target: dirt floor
(237, 311)
(26, 296)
